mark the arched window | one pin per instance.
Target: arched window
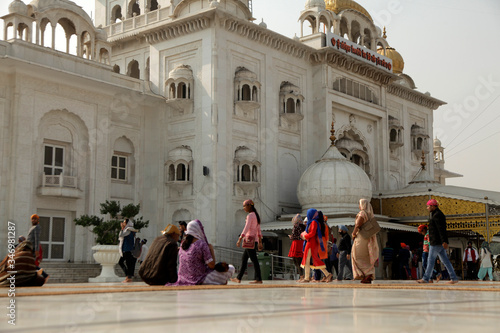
(254, 174)
(147, 69)
(154, 5)
(116, 69)
(419, 143)
(245, 93)
(290, 106)
(182, 90)
(122, 160)
(358, 160)
(116, 13)
(254, 94)
(133, 69)
(134, 8)
(245, 173)
(171, 91)
(171, 173)
(181, 172)
(86, 41)
(104, 56)
(393, 135)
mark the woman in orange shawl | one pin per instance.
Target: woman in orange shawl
(314, 245)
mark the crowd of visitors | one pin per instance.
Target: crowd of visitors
(183, 256)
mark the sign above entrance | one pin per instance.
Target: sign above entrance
(358, 52)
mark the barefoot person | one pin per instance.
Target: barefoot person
(315, 229)
(364, 250)
(253, 233)
(438, 239)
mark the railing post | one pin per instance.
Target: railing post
(61, 180)
(272, 267)
(487, 221)
(43, 180)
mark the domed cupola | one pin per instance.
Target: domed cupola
(333, 184)
(398, 63)
(338, 6)
(18, 7)
(315, 3)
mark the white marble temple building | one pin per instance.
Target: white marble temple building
(189, 107)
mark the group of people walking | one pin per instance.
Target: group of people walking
(311, 246)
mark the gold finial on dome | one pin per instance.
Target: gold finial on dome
(332, 137)
(398, 63)
(423, 164)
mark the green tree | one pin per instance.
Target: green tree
(107, 231)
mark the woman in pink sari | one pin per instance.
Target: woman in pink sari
(364, 251)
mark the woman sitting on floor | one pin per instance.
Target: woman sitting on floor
(196, 258)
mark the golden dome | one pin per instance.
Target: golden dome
(397, 60)
(337, 6)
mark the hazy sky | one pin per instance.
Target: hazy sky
(451, 49)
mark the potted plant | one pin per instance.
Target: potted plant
(106, 232)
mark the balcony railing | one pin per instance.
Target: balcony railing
(59, 181)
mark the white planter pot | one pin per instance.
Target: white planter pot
(108, 256)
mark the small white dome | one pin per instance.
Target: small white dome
(243, 153)
(18, 7)
(243, 73)
(183, 71)
(437, 142)
(315, 3)
(333, 184)
(263, 24)
(181, 153)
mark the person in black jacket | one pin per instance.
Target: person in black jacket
(344, 254)
(160, 265)
(438, 243)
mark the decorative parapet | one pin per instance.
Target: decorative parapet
(337, 58)
(414, 96)
(266, 37)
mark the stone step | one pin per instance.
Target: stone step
(78, 272)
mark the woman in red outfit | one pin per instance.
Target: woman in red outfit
(297, 249)
(314, 241)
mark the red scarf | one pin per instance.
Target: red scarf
(472, 253)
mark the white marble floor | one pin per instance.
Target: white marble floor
(435, 309)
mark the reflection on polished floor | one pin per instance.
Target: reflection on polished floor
(386, 306)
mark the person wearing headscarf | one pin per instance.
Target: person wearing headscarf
(160, 264)
(438, 239)
(296, 249)
(364, 251)
(196, 256)
(126, 246)
(22, 263)
(313, 235)
(486, 264)
(251, 231)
